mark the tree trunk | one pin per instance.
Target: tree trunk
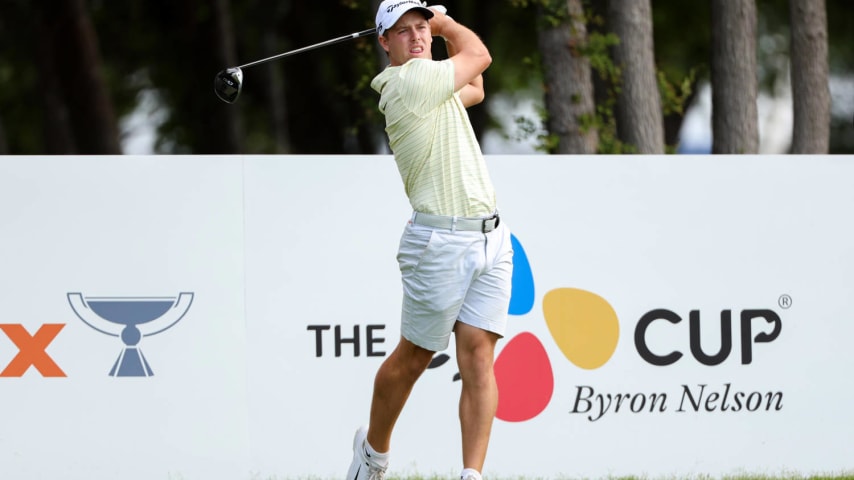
(810, 87)
(271, 79)
(58, 138)
(639, 118)
(734, 81)
(4, 145)
(483, 23)
(220, 124)
(276, 94)
(78, 73)
(568, 82)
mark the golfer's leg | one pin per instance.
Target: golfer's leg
(392, 385)
(479, 397)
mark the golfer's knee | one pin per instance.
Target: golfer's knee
(418, 364)
(410, 360)
(476, 366)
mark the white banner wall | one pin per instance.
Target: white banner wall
(321, 237)
(670, 316)
(681, 235)
(155, 245)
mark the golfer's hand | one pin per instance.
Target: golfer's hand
(440, 20)
(439, 8)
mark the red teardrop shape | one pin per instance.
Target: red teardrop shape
(525, 380)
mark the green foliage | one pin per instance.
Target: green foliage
(166, 47)
(597, 51)
(674, 97)
(553, 12)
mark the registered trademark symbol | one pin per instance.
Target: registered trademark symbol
(785, 301)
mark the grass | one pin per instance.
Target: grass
(828, 476)
(840, 476)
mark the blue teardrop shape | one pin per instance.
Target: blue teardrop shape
(522, 293)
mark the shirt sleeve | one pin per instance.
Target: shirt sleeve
(426, 84)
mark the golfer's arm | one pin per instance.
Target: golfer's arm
(472, 93)
(469, 54)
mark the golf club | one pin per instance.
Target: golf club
(227, 83)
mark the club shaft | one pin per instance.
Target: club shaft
(333, 41)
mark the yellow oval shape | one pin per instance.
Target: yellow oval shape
(584, 326)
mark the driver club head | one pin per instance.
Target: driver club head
(227, 84)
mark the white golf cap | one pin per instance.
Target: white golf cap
(390, 12)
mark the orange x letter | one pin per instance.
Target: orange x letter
(32, 350)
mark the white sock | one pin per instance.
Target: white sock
(377, 457)
(470, 473)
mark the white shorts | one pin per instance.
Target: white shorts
(450, 276)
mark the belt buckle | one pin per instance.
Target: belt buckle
(486, 228)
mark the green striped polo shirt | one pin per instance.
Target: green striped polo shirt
(429, 131)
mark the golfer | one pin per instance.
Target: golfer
(455, 254)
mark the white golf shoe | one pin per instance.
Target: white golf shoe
(364, 467)
(470, 474)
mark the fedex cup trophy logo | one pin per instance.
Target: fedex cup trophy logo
(131, 319)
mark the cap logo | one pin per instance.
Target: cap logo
(392, 7)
